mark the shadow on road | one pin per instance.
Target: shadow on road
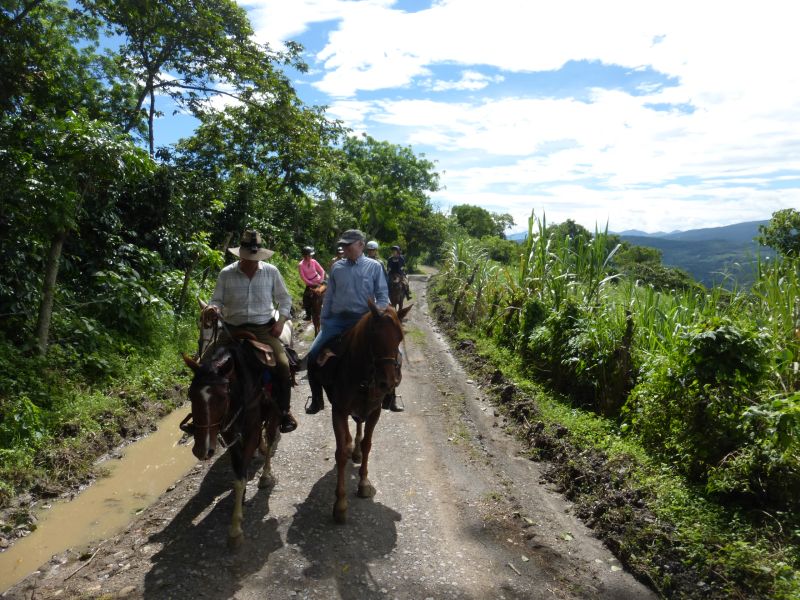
(195, 561)
(343, 552)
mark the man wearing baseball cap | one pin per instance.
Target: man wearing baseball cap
(352, 281)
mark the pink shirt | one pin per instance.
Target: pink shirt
(311, 272)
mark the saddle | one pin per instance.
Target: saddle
(266, 355)
(329, 351)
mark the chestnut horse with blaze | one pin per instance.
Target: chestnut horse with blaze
(364, 370)
(230, 405)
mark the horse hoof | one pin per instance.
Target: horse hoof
(267, 481)
(366, 491)
(356, 459)
(235, 543)
(339, 517)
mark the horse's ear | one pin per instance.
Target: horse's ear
(373, 309)
(401, 314)
(191, 363)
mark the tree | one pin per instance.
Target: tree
(382, 188)
(52, 166)
(188, 50)
(47, 58)
(782, 232)
(571, 230)
(479, 222)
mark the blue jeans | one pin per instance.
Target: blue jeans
(331, 327)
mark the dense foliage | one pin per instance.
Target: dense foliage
(706, 381)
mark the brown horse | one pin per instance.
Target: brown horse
(316, 295)
(230, 405)
(397, 291)
(365, 370)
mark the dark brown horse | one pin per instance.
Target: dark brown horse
(365, 370)
(397, 291)
(230, 405)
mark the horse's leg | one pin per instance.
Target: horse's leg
(341, 430)
(365, 488)
(239, 486)
(357, 443)
(272, 435)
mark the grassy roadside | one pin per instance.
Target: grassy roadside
(666, 532)
(52, 453)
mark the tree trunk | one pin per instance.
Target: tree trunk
(150, 135)
(48, 291)
(187, 276)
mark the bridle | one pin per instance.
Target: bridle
(397, 360)
(190, 428)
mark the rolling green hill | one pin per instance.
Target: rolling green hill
(719, 255)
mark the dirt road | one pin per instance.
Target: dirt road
(458, 514)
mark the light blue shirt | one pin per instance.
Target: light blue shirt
(351, 284)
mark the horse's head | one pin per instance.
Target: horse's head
(384, 334)
(209, 394)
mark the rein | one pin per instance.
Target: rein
(371, 383)
(191, 428)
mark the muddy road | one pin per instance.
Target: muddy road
(458, 514)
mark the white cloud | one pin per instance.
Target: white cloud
(612, 156)
(470, 80)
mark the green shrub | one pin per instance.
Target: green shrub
(688, 407)
(768, 468)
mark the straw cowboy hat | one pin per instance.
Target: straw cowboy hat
(250, 247)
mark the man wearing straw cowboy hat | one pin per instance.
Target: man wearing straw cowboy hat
(244, 297)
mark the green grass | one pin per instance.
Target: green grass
(57, 446)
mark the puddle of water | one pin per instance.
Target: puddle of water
(146, 469)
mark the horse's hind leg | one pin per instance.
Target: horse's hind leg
(365, 488)
(271, 436)
(357, 443)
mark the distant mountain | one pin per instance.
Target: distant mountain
(712, 255)
(740, 232)
(638, 233)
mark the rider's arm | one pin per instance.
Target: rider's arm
(320, 270)
(218, 297)
(381, 289)
(327, 301)
(280, 295)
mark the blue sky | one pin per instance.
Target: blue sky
(645, 115)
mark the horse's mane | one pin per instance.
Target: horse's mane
(244, 363)
(356, 340)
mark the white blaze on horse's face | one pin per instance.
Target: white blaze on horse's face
(205, 394)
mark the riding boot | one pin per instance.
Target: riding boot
(283, 397)
(317, 403)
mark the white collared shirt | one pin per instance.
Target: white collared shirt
(245, 300)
